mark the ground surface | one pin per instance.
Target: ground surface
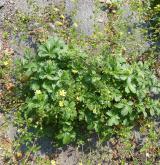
(139, 145)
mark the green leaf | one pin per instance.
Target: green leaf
(152, 112)
(131, 86)
(49, 77)
(126, 110)
(123, 77)
(66, 138)
(81, 115)
(114, 120)
(120, 105)
(117, 98)
(127, 89)
(35, 86)
(48, 87)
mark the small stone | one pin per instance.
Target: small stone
(2, 3)
(108, 2)
(100, 20)
(1, 45)
(11, 132)
(53, 162)
(11, 2)
(1, 95)
(2, 120)
(51, 25)
(147, 155)
(9, 86)
(75, 25)
(102, 1)
(113, 11)
(11, 51)
(56, 9)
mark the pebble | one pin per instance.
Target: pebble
(1, 41)
(11, 132)
(1, 45)
(147, 155)
(102, 1)
(100, 20)
(108, 2)
(2, 3)
(51, 25)
(11, 2)
(1, 119)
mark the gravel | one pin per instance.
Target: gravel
(2, 3)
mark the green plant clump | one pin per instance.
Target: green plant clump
(154, 17)
(67, 93)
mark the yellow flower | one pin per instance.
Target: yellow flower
(77, 98)
(62, 16)
(100, 33)
(81, 163)
(120, 33)
(61, 103)
(38, 92)
(58, 23)
(149, 126)
(62, 93)
(18, 155)
(95, 111)
(56, 9)
(53, 162)
(74, 71)
(75, 25)
(5, 63)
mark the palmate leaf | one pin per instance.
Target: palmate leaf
(34, 86)
(131, 86)
(126, 110)
(120, 105)
(66, 138)
(117, 98)
(48, 87)
(114, 120)
(52, 47)
(43, 52)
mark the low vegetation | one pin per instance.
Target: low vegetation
(65, 92)
(73, 87)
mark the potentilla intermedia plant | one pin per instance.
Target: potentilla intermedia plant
(66, 93)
